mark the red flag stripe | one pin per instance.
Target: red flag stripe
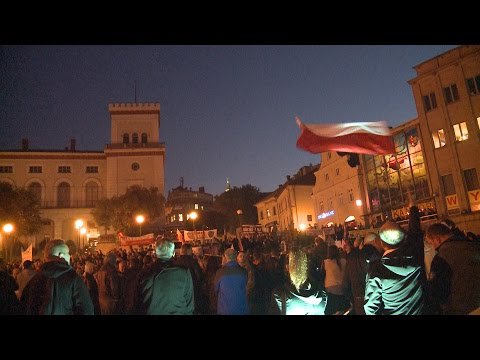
(360, 143)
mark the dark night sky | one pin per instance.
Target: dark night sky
(225, 111)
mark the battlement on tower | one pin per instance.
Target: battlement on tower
(133, 107)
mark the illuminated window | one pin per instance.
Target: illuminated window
(473, 85)
(430, 102)
(461, 131)
(451, 93)
(268, 213)
(438, 138)
(478, 122)
(196, 206)
(180, 217)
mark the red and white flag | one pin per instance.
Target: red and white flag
(356, 137)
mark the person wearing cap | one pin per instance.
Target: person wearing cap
(164, 288)
(396, 282)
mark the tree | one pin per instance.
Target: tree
(119, 212)
(243, 199)
(21, 208)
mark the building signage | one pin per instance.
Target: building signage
(452, 202)
(325, 214)
(474, 199)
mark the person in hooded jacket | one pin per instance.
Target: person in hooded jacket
(396, 283)
(56, 289)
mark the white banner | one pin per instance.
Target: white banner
(201, 235)
(27, 254)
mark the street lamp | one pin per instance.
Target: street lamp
(240, 213)
(78, 225)
(193, 216)
(7, 229)
(140, 219)
(302, 227)
(83, 231)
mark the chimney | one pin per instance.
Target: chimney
(288, 177)
(201, 190)
(24, 144)
(72, 144)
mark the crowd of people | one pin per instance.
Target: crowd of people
(394, 271)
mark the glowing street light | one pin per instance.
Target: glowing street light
(7, 229)
(358, 202)
(83, 231)
(140, 220)
(193, 215)
(78, 226)
(302, 227)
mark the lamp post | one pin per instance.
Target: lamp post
(7, 229)
(140, 219)
(78, 226)
(240, 213)
(83, 231)
(193, 216)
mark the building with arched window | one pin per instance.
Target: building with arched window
(70, 182)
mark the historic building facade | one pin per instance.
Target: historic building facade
(447, 97)
(338, 194)
(290, 207)
(69, 182)
(181, 202)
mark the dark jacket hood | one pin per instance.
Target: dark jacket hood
(55, 268)
(400, 263)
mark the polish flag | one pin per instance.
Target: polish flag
(356, 137)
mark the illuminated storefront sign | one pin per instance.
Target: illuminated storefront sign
(325, 214)
(474, 199)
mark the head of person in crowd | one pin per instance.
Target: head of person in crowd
(111, 259)
(391, 235)
(27, 264)
(56, 249)
(449, 223)
(257, 258)
(347, 246)
(437, 233)
(230, 255)
(164, 249)
(298, 267)
(186, 249)
(89, 267)
(242, 258)
(122, 266)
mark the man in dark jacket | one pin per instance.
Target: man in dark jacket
(56, 289)
(455, 272)
(396, 283)
(163, 288)
(9, 304)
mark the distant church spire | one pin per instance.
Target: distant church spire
(227, 188)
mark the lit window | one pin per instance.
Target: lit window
(268, 213)
(438, 138)
(461, 131)
(196, 206)
(309, 217)
(180, 217)
(478, 122)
